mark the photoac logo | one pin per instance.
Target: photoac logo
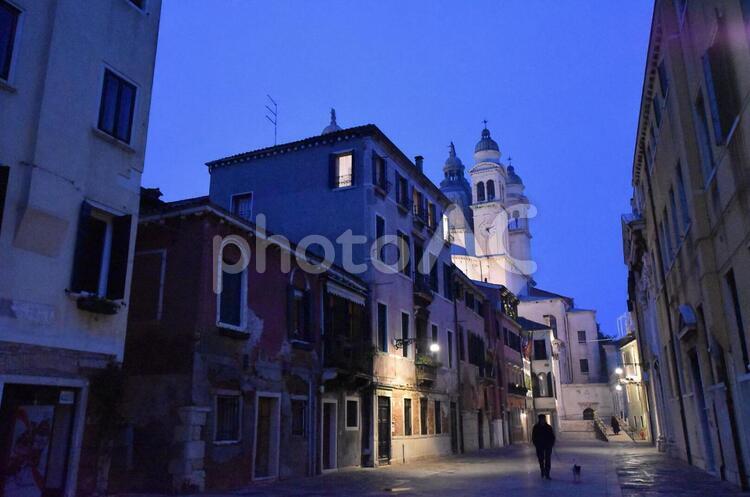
(389, 254)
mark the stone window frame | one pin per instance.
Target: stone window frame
(240, 408)
(348, 399)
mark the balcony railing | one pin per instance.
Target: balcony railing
(348, 355)
(517, 389)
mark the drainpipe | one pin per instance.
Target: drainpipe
(665, 297)
(460, 434)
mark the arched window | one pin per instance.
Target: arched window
(588, 413)
(490, 190)
(514, 222)
(480, 192)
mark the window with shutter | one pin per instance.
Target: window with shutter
(721, 84)
(4, 179)
(342, 170)
(233, 291)
(117, 106)
(8, 26)
(101, 255)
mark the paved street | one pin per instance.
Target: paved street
(609, 470)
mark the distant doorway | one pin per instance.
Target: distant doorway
(480, 427)
(329, 435)
(384, 430)
(454, 428)
(702, 411)
(266, 464)
(588, 414)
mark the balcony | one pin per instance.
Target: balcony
(349, 359)
(426, 369)
(422, 290)
(515, 389)
(382, 186)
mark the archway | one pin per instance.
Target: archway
(588, 413)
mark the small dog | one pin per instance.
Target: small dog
(576, 473)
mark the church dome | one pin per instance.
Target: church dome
(332, 127)
(513, 178)
(453, 162)
(486, 142)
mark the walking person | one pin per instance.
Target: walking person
(543, 438)
(615, 425)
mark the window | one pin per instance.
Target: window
(447, 280)
(227, 418)
(300, 312)
(663, 78)
(434, 283)
(341, 170)
(405, 333)
(490, 190)
(469, 300)
(101, 254)
(379, 172)
(683, 199)
(584, 365)
(540, 350)
(383, 327)
(402, 191)
(407, 417)
(721, 83)
(668, 237)
(404, 253)
(379, 234)
(431, 216)
(704, 138)
(242, 205)
(233, 290)
(117, 106)
(423, 405)
(675, 222)
(438, 419)
(434, 333)
(417, 204)
(299, 417)
(461, 352)
(8, 25)
(515, 222)
(480, 192)
(4, 178)
(450, 349)
(581, 336)
(735, 301)
(446, 229)
(663, 246)
(352, 414)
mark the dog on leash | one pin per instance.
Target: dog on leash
(576, 473)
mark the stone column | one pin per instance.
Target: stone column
(187, 464)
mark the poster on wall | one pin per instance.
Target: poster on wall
(27, 464)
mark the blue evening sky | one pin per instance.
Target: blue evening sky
(558, 81)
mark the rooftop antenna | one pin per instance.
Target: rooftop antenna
(273, 117)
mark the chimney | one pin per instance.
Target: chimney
(419, 161)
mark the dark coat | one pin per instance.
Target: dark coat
(543, 436)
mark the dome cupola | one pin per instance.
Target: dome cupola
(513, 178)
(486, 149)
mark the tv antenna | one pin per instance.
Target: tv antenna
(273, 117)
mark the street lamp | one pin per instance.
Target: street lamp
(400, 343)
(434, 347)
(618, 388)
(619, 371)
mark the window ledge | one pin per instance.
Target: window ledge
(343, 188)
(227, 442)
(4, 85)
(232, 330)
(112, 140)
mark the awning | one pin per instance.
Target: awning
(345, 293)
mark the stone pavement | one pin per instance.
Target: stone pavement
(609, 470)
(643, 472)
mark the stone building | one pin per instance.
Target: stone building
(354, 196)
(686, 238)
(631, 398)
(223, 389)
(75, 93)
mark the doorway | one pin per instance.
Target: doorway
(480, 428)
(36, 425)
(384, 430)
(329, 435)
(267, 414)
(700, 406)
(588, 414)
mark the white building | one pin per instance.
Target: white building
(75, 92)
(498, 251)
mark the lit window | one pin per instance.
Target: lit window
(242, 205)
(8, 24)
(342, 174)
(117, 105)
(227, 418)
